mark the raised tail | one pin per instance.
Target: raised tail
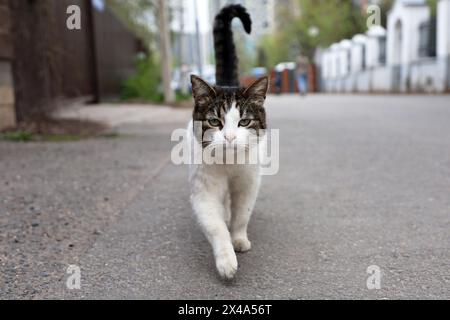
(227, 73)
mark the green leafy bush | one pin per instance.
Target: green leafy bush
(181, 96)
(145, 84)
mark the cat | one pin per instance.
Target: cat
(223, 195)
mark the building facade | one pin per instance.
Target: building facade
(411, 55)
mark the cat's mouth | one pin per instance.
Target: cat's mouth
(236, 146)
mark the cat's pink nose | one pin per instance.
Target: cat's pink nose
(230, 137)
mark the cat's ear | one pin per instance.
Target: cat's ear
(202, 91)
(258, 89)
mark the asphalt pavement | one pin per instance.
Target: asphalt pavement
(364, 181)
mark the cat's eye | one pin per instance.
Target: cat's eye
(244, 122)
(214, 122)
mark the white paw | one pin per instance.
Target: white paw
(241, 245)
(227, 266)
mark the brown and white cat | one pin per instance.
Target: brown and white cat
(223, 195)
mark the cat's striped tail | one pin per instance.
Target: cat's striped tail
(227, 73)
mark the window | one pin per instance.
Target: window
(427, 39)
(423, 39)
(363, 58)
(432, 45)
(382, 53)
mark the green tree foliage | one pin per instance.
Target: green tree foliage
(433, 7)
(385, 6)
(145, 84)
(245, 54)
(138, 16)
(333, 19)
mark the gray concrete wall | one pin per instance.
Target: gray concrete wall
(362, 81)
(381, 79)
(428, 75)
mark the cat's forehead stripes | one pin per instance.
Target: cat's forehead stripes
(224, 99)
(224, 102)
(232, 117)
(227, 100)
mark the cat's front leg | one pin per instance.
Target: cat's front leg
(227, 209)
(209, 210)
(244, 190)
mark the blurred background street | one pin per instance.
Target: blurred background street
(91, 91)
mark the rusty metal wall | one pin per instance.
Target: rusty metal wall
(75, 61)
(50, 61)
(117, 48)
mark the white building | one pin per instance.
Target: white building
(345, 47)
(334, 59)
(403, 27)
(443, 40)
(412, 55)
(188, 15)
(375, 47)
(358, 52)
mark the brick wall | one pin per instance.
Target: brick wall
(7, 108)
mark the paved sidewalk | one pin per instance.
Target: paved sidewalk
(364, 180)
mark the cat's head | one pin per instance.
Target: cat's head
(229, 115)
